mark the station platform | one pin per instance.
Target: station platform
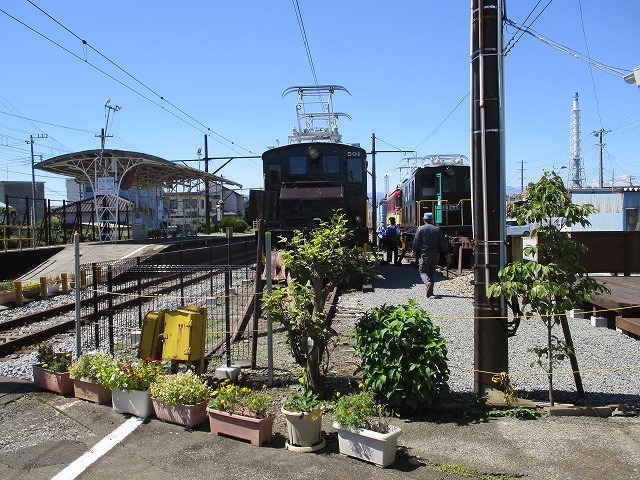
(31, 264)
(48, 436)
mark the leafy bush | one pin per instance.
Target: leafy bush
(131, 375)
(53, 361)
(361, 410)
(92, 366)
(403, 357)
(240, 400)
(238, 224)
(183, 388)
(303, 401)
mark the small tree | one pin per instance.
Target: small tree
(555, 283)
(318, 261)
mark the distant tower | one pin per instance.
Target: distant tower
(577, 169)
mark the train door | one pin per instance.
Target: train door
(439, 209)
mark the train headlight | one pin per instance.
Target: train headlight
(313, 153)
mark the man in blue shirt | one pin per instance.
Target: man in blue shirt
(428, 244)
(391, 240)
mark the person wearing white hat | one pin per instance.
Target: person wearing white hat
(428, 244)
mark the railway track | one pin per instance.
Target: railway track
(35, 327)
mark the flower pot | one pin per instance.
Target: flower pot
(7, 296)
(135, 402)
(304, 431)
(91, 391)
(367, 445)
(53, 381)
(256, 430)
(185, 415)
(53, 289)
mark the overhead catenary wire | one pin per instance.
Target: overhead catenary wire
(305, 41)
(179, 113)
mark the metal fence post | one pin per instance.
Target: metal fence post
(267, 248)
(110, 306)
(227, 316)
(139, 292)
(96, 320)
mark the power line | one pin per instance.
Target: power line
(305, 41)
(433, 132)
(618, 72)
(593, 82)
(163, 100)
(508, 48)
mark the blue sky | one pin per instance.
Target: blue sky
(224, 65)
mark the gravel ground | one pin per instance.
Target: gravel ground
(610, 360)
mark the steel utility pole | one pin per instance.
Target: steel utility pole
(207, 199)
(33, 177)
(488, 187)
(374, 201)
(600, 134)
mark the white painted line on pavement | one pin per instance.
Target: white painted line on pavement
(130, 254)
(99, 449)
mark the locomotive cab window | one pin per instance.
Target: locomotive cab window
(428, 186)
(330, 164)
(354, 170)
(297, 165)
(275, 177)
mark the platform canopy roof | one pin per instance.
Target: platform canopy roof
(143, 171)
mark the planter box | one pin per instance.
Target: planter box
(135, 402)
(367, 445)
(53, 289)
(91, 391)
(186, 415)
(256, 430)
(304, 431)
(53, 381)
(7, 296)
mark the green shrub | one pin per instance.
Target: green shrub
(403, 357)
(182, 388)
(93, 366)
(238, 224)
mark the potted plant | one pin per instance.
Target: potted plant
(130, 381)
(180, 398)
(53, 285)
(87, 372)
(303, 412)
(364, 431)
(7, 292)
(52, 370)
(31, 289)
(240, 412)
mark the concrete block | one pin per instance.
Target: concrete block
(599, 321)
(225, 372)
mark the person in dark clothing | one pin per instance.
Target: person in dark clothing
(391, 239)
(428, 244)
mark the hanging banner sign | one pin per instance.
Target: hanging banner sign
(105, 186)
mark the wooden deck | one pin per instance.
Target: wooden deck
(623, 301)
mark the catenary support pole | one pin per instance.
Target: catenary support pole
(374, 200)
